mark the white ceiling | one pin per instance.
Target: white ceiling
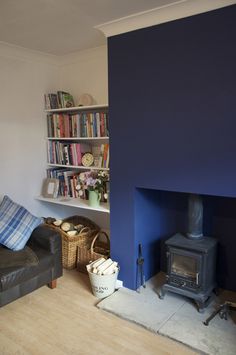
(63, 26)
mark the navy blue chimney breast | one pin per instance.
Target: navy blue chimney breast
(172, 98)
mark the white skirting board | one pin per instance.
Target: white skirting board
(119, 284)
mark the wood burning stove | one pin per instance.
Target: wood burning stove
(191, 268)
(191, 260)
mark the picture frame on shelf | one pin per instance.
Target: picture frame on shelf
(50, 188)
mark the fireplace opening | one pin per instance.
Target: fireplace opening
(191, 259)
(162, 216)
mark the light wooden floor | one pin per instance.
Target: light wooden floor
(65, 321)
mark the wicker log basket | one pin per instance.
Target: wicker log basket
(70, 244)
(98, 247)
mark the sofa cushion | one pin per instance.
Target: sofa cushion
(16, 224)
(12, 276)
(12, 258)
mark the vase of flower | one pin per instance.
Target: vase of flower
(92, 184)
(94, 198)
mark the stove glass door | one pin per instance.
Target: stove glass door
(185, 265)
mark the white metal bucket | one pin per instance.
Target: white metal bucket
(103, 285)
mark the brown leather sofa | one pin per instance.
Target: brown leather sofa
(18, 279)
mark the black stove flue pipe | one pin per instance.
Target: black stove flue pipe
(195, 217)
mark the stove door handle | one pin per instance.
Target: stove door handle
(197, 278)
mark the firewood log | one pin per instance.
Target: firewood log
(66, 226)
(57, 223)
(110, 269)
(103, 266)
(72, 233)
(95, 264)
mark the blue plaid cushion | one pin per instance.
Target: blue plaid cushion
(16, 224)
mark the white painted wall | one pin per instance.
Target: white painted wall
(86, 72)
(24, 78)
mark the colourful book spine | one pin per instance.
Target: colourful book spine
(88, 121)
(74, 184)
(78, 119)
(102, 125)
(98, 124)
(106, 125)
(78, 153)
(72, 154)
(66, 124)
(101, 156)
(61, 126)
(105, 154)
(84, 125)
(108, 157)
(91, 124)
(49, 125)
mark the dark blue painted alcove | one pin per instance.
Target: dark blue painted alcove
(172, 94)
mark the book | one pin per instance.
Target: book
(53, 101)
(66, 157)
(68, 100)
(61, 130)
(98, 130)
(50, 125)
(46, 102)
(106, 156)
(65, 99)
(65, 176)
(78, 154)
(101, 157)
(67, 187)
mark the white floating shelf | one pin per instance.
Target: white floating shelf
(78, 138)
(80, 167)
(75, 202)
(78, 108)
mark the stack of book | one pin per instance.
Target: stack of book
(68, 180)
(68, 153)
(105, 156)
(84, 124)
(61, 99)
(101, 155)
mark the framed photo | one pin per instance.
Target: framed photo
(50, 188)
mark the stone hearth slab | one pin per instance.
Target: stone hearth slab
(176, 317)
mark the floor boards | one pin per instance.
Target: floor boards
(65, 321)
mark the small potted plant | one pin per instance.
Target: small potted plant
(95, 183)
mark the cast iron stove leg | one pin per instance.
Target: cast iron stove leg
(162, 293)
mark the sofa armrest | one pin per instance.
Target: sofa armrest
(47, 238)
